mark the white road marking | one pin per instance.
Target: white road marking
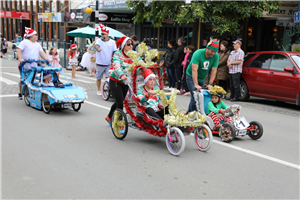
(289, 164)
(7, 81)
(11, 74)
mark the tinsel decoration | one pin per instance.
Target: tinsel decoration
(116, 123)
(217, 90)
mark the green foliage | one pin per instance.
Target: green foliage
(222, 16)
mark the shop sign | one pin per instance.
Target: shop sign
(113, 4)
(282, 11)
(50, 17)
(14, 14)
(79, 15)
(115, 17)
(2, 14)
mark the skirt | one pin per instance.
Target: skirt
(86, 61)
(55, 63)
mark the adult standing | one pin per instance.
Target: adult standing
(105, 49)
(135, 43)
(202, 61)
(235, 64)
(223, 70)
(169, 63)
(116, 83)
(178, 58)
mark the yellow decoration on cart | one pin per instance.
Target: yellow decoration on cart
(217, 90)
(116, 123)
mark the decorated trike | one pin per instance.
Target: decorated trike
(173, 124)
(238, 126)
(59, 95)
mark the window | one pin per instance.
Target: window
(279, 62)
(296, 59)
(262, 61)
(248, 57)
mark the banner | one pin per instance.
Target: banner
(79, 15)
(115, 17)
(50, 17)
(14, 14)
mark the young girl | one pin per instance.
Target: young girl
(47, 80)
(188, 56)
(86, 59)
(217, 106)
(73, 58)
(54, 58)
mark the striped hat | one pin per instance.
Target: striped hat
(213, 44)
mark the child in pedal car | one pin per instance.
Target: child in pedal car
(216, 107)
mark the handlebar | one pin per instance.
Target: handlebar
(33, 61)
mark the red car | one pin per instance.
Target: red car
(271, 74)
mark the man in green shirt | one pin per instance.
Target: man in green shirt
(202, 61)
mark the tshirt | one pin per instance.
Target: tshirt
(30, 50)
(204, 64)
(215, 109)
(108, 47)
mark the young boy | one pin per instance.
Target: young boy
(189, 53)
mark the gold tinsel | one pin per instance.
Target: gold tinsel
(217, 90)
(116, 123)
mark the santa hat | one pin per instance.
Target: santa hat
(29, 32)
(46, 76)
(103, 29)
(73, 46)
(148, 74)
(213, 44)
(122, 41)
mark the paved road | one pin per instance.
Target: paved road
(67, 155)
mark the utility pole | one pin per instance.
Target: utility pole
(97, 20)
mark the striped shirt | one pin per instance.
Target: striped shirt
(235, 56)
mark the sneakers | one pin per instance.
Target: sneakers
(108, 120)
(20, 96)
(99, 93)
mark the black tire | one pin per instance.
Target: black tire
(105, 91)
(76, 106)
(244, 91)
(227, 132)
(257, 132)
(45, 103)
(26, 95)
(203, 137)
(120, 116)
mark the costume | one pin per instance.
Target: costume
(55, 62)
(73, 56)
(86, 59)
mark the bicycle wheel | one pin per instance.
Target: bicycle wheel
(175, 141)
(105, 91)
(119, 124)
(76, 106)
(46, 103)
(203, 138)
(257, 130)
(26, 95)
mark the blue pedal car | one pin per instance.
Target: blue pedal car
(58, 95)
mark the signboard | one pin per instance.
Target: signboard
(282, 11)
(79, 15)
(112, 4)
(14, 14)
(50, 17)
(115, 17)
(296, 16)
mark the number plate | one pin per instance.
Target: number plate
(67, 105)
(241, 123)
(242, 132)
(71, 96)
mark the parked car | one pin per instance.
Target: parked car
(271, 74)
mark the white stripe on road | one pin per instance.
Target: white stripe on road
(7, 81)
(11, 74)
(217, 142)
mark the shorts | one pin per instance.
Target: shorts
(100, 70)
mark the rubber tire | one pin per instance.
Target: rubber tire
(106, 95)
(244, 91)
(181, 138)
(124, 117)
(260, 129)
(232, 129)
(209, 137)
(47, 111)
(26, 95)
(74, 106)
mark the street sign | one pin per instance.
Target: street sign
(296, 16)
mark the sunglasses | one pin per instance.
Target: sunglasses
(129, 44)
(103, 34)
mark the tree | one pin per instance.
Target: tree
(222, 16)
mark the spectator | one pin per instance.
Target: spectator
(18, 39)
(223, 70)
(73, 58)
(89, 59)
(169, 63)
(2, 47)
(202, 61)
(54, 58)
(105, 49)
(178, 58)
(135, 43)
(235, 64)
(188, 56)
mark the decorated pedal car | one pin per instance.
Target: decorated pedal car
(238, 125)
(55, 95)
(173, 124)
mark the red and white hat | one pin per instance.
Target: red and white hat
(73, 46)
(103, 29)
(148, 74)
(122, 41)
(29, 32)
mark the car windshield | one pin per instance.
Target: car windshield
(296, 59)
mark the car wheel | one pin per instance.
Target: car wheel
(244, 91)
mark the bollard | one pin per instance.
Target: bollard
(65, 59)
(71, 42)
(58, 44)
(47, 40)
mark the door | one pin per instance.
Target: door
(256, 73)
(281, 84)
